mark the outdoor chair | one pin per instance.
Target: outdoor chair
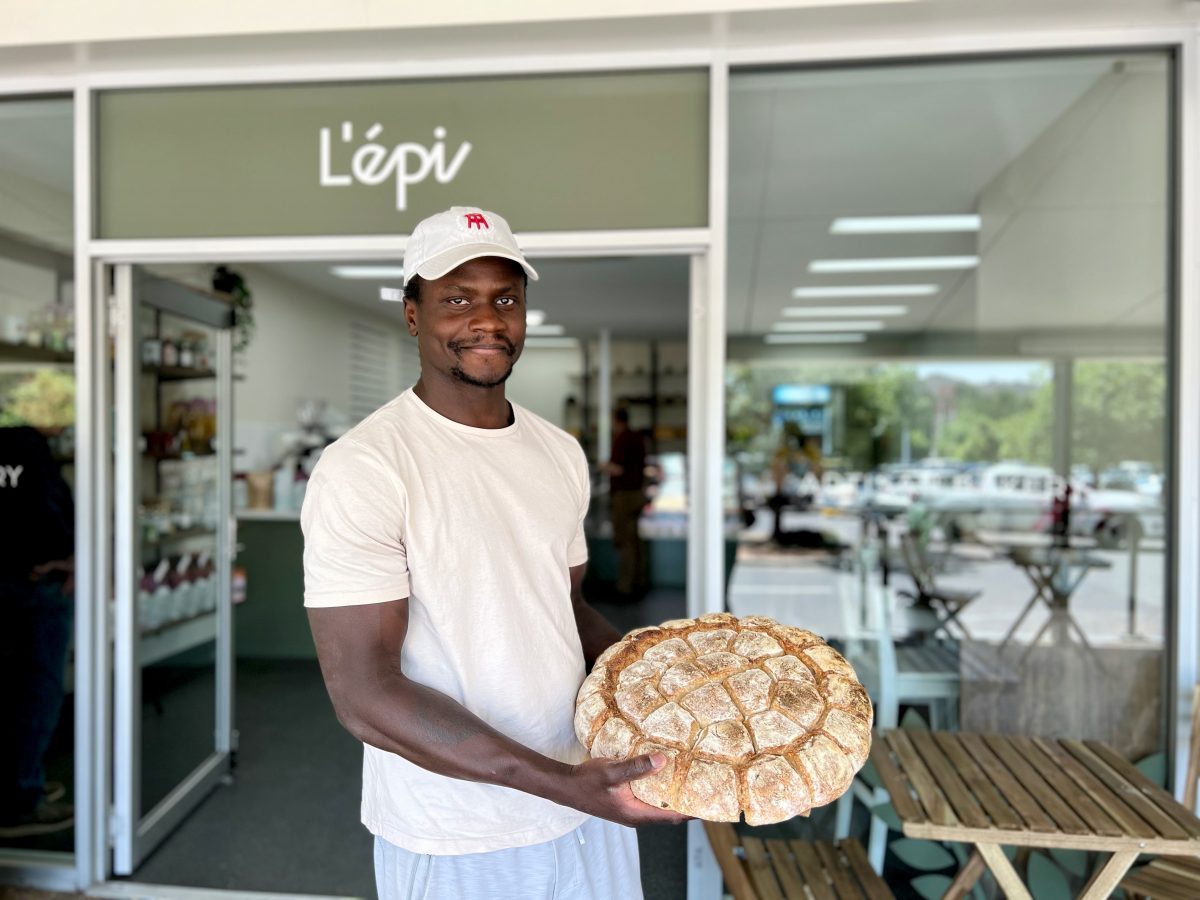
(946, 603)
(920, 674)
(1173, 877)
(772, 869)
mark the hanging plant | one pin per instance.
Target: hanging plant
(226, 281)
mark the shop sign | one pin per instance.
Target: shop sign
(574, 152)
(407, 163)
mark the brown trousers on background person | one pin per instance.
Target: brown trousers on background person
(631, 562)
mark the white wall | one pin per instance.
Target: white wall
(544, 378)
(300, 351)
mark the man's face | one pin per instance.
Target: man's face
(470, 323)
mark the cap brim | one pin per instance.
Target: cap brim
(449, 260)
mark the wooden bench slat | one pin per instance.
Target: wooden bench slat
(1044, 757)
(1001, 814)
(760, 869)
(785, 868)
(966, 807)
(937, 809)
(1027, 808)
(1187, 866)
(1135, 799)
(814, 873)
(1122, 820)
(906, 807)
(724, 839)
(1180, 882)
(844, 884)
(1064, 817)
(1152, 791)
(871, 883)
(1148, 881)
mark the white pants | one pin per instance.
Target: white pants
(596, 861)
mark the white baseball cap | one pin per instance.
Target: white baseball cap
(448, 239)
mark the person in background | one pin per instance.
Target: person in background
(444, 559)
(37, 533)
(626, 470)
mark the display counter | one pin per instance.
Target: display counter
(272, 624)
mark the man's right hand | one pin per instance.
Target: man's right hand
(600, 787)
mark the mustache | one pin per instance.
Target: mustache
(509, 347)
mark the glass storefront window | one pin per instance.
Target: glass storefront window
(948, 381)
(37, 526)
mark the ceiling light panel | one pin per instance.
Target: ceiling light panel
(817, 312)
(535, 317)
(904, 224)
(367, 271)
(544, 330)
(893, 264)
(831, 325)
(846, 338)
(864, 290)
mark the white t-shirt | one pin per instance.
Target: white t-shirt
(478, 528)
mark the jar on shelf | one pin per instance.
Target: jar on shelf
(152, 352)
(170, 352)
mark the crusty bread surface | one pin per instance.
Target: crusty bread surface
(754, 717)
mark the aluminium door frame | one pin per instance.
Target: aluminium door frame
(122, 256)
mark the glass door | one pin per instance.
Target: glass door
(173, 534)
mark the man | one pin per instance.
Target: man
(444, 557)
(627, 495)
(37, 531)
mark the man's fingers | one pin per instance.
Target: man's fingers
(637, 767)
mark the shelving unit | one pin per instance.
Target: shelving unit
(177, 637)
(654, 392)
(10, 352)
(172, 311)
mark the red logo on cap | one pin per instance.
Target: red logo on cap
(476, 220)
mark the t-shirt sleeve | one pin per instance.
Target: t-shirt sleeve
(577, 552)
(353, 523)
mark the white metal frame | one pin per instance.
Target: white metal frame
(707, 320)
(134, 835)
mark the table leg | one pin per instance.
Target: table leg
(966, 878)
(1006, 876)
(1104, 881)
(1008, 635)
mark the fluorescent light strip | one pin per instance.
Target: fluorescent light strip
(893, 264)
(903, 224)
(840, 325)
(816, 312)
(815, 338)
(534, 317)
(865, 290)
(544, 330)
(391, 295)
(551, 343)
(367, 271)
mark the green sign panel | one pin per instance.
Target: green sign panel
(551, 153)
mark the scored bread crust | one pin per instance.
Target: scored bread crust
(753, 716)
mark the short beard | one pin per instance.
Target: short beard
(462, 376)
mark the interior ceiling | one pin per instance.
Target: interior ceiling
(808, 147)
(1067, 154)
(634, 296)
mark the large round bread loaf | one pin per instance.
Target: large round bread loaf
(753, 716)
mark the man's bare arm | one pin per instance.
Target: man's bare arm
(359, 650)
(595, 632)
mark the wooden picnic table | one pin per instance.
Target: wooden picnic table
(993, 791)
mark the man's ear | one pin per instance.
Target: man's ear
(410, 316)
